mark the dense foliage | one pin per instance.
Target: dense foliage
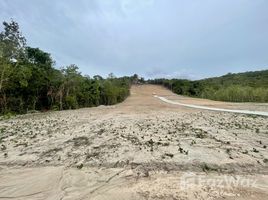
(29, 81)
(240, 87)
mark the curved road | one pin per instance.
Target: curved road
(214, 109)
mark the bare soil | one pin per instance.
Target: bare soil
(142, 148)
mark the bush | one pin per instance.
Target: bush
(70, 102)
(241, 87)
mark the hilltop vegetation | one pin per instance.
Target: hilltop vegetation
(240, 87)
(29, 80)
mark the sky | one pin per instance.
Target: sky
(190, 39)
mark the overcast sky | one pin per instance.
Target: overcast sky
(153, 38)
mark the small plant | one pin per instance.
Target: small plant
(252, 116)
(245, 152)
(150, 143)
(255, 150)
(165, 144)
(8, 116)
(101, 131)
(228, 151)
(200, 135)
(206, 168)
(169, 155)
(2, 130)
(80, 166)
(193, 142)
(3, 147)
(181, 150)
(82, 140)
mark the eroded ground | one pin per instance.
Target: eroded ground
(142, 148)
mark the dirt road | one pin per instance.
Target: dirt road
(213, 108)
(142, 148)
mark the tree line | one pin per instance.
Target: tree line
(29, 80)
(240, 87)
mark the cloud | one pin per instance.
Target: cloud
(182, 74)
(132, 6)
(172, 38)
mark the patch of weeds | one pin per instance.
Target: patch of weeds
(3, 147)
(265, 160)
(252, 116)
(2, 130)
(200, 135)
(8, 116)
(150, 143)
(165, 144)
(257, 130)
(51, 152)
(133, 139)
(228, 151)
(101, 131)
(169, 155)
(80, 141)
(181, 150)
(245, 152)
(193, 142)
(92, 154)
(255, 150)
(206, 168)
(80, 166)
(238, 125)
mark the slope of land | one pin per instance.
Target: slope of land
(142, 148)
(251, 78)
(239, 87)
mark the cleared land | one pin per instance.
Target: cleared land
(212, 108)
(142, 148)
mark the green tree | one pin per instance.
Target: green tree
(12, 45)
(29, 81)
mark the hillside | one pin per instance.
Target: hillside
(252, 79)
(239, 87)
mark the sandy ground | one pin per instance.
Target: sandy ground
(142, 148)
